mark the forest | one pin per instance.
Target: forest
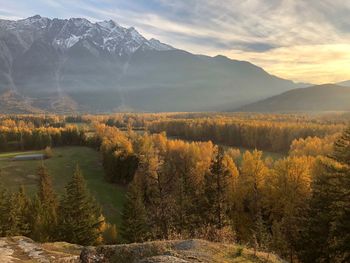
(192, 175)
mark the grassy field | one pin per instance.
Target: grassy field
(61, 166)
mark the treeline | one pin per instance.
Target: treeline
(196, 190)
(262, 135)
(179, 189)
(268, 132)
(313, 146)
(74, 218)
(22, 136)
(35, 120)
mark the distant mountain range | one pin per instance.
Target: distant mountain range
(328, 97)
(344, 83)
(61, 65)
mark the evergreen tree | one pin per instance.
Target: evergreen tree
(261, 234)
(329, 217)
(17, 214)
(4, 211)
(340, 232)
(79, 214)
(155, 186)
(134, 224)
(46, 211)
(314, 241)
(37, 221)
(341, 150)
(218, 189)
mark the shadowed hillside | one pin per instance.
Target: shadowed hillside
(328, 97)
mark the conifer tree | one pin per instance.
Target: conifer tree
(23, 204)
(340, 232)
(328, 226)
(17, 214)
(134, 224)
(218, 182)
(37, 221)
(155, 184)
(47, 209)
(314, 241)
(4, 211)
(79, 213)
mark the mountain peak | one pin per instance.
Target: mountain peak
(63, 34)
(80, 21)
(35, 17)
(108, 24)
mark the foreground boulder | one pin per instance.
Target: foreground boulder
(186, 251)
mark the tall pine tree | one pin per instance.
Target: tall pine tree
(328, 226)
(340, 232)
(45, 207)
(4, 211)
(314, 245)
(218, 189)
(134, 224)
(79, 213)
(17, 213)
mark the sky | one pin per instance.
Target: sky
(301, 40)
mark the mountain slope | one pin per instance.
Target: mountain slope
(328, 97)
(105, 67)
(344, 83)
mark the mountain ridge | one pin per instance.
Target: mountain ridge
(325, 97)
(103, 67)
(345, 83)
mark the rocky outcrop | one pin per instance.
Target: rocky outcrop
(22, 249)
(184, 251)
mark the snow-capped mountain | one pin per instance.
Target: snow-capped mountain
(65, 33)
(77, 64)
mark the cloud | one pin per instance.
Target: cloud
(276, 34)
(305, 63)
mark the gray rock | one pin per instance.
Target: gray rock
(163, 259)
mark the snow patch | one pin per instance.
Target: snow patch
(106, 35)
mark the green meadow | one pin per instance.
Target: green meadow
(14, 174)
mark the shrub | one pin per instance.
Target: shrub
(48, 152)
